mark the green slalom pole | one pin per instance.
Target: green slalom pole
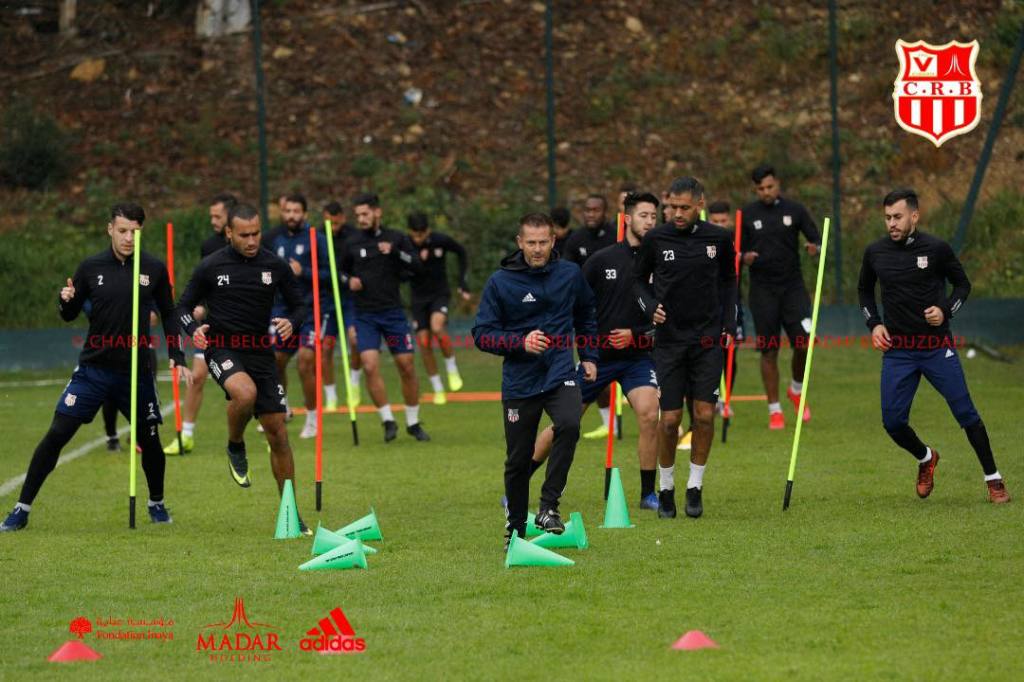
(350, 398)
(133, 421)
(807, 365)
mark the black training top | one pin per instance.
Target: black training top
(215, 242)
(694, 279)
(609, 272)
(585, 242)
(560, 243)
(773, 231)
(239, 294)
(106, 281)
(381, 274)
(913, 275)
(433, 281)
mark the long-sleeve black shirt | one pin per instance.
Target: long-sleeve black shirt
(773, 231)
(694, 279)
(913, 274)
(380, 274)
(433, 280)
(215, 242)
(239, 294)
(585, 242)
(106, 281)
(609, 272)
(560, 243)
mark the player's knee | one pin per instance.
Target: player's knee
(770, 355)
(647, 417)
(245, 395)
(703, 416)
(669, 423)
(567, 428)
(964, 411)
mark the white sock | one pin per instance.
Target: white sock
(993, 477)
(449, 364)
(435, 383)
(151, 503)
(796, 386)
(188, 429)
(385, 414)
(774, 407)
(412, 415)
(665, 475)
(331, 393)
(696, 476)
(354, 376)
(605, 412)
(927, 455)
(24, 507)
(311, 417)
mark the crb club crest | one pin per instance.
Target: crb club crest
(144, 280)
(937, 94)
(267, 279)
(513, 415)
(922, 262)
(712, 250)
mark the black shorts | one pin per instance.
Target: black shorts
(778, 307)
(687, 371)
(261, 368)
(422, 309)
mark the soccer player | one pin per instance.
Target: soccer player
(219, 207)
(912, 268)
(778, 298)
(529, 312)
(430, 298)
(561, 216)
(104, 365)
(626, 336)
(720, 213)
(342, 231)
(692, 301)
(239, 285)
(596, 234)
(374, 262)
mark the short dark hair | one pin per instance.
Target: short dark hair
(334, 208)
(128, 211)
(366, 199)
(296, 199)
(228, 200)
(902, 194)
(687, 185)
(719, 207)
(417, 222)
(242, 211)
(560, 216)
(595, 195)
(536, 220)
(762, 172)
(634, 198)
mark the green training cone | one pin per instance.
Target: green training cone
(532, 530)
(287, 515)
(324, 541)
(574, 537)
(349, 555)
(365, 528)
(523, 553)
(616, 513)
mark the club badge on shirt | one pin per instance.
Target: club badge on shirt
(513, 415)
(362, 253)
(300, 249)
(438, 252)
(922, 262)
(712, 250)
(787, 220)
(144, 280)
(267, 278)
(757, 224)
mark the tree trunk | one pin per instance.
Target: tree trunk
(67, 18)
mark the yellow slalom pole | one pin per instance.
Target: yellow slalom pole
(807, 365)
(133, 421)
(350, 397)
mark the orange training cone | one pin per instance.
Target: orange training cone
(693, 640)
(72, 651)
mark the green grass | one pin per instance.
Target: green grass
(858, 580)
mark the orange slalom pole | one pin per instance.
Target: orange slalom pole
(175, 389)
(315, 262)
(731, 359)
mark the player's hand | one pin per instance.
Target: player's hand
(355, 284)
(198, 313)
(812, 249)
(68, 292)
(589, 370)
(283, 327)
(385, 247)
(934, 315)
(880, 338)
(749, 257)
(424, 254)
(296, 267)
(465, 295)
(536, 342)
(199, 337)
(620, 338)
(183, 371)
(659, 314)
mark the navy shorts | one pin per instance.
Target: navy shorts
(348, 311)
(901, 374)
(389, 326)
(328, 328)
(91, 386)
(629, 373)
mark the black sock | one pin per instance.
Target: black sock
(977, 434)
(236, 448)
(110, 419)
(646, 482)
(153, 463)
(44, 459)
(534, 465)
(908, 440)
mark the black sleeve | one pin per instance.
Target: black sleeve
(808, 227)
(569, 250)
(172, 330)
(643, 268)
(407, 254)
(866, 291)
(69, 311)
(195, 291)
(954, 272)
(585, 321)
(727, 285)
(460, 253)
(346, 262)
(747, 236)
(291, 292)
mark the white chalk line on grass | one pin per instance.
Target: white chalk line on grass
(55, 382)
(81, 451)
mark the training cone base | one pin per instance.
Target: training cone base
(532, 531)
(365, 528)
(693, 640)
(523, 553)
(287, 515)
(616, 511)
(574, 537)
(349, 555)
(74, 650)
(324, 541)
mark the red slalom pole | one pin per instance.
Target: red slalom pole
(620, 234)
(614, 420)
(314, 259)
(175, 390)
(731, 359)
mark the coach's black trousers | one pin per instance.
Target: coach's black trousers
(522, 417)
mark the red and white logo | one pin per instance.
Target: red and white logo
(333, 635)
(922, 262)
(238, 639)
(267, 278)
(712, 250)
(937, 93)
